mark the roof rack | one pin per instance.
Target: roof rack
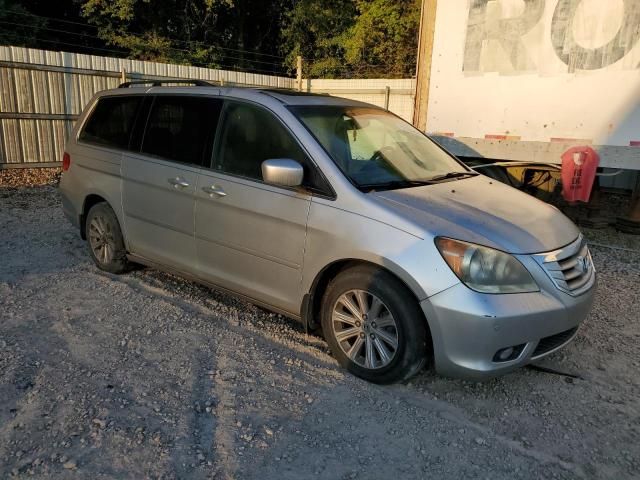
(159, 83)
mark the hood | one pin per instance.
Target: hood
(483, 211)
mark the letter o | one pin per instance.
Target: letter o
(576, 56)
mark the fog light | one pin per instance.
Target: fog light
(508, 353)
(505, 353)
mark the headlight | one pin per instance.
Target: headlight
(484, 269)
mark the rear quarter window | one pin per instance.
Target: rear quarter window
(111, 122)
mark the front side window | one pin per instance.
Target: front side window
(182, 128)
(111, 122)
(250, 135)
(374, 148)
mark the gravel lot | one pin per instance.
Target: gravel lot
(149, 376)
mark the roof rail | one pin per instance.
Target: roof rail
(159, 83)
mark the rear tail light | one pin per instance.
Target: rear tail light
(66, 162)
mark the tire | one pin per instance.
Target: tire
(390, 311)
(105, 241)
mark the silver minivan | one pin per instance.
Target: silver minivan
(333, 212)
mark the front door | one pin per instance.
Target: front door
(250, 236)
(160, 182)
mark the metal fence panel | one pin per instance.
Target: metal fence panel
(39, 86)
(395, 94)
(42, 91)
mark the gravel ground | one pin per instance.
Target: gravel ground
(149, 376)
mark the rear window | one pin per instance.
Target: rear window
(182, 128)
(111, 122)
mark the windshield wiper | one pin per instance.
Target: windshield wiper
(451, 175)
(415, 183)
(394, 184)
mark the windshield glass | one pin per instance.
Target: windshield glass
(375, 148)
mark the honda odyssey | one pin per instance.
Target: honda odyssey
(332, 212)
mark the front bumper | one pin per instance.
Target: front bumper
(468, 328)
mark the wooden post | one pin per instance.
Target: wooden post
(387, 94)
(299, 72)
(423, 71)
(123, 75)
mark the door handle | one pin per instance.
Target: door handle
(214, 190)
(178, 182)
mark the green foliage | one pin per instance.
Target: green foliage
(11, 31)
(211, 33)
(370, 38)
(311, 30)
(336, 38)
(384, 37)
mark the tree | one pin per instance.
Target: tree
(312, 29)
(336, 38)
(10, 34)
(370, 38)
(225, 33)
(48, 25)
(384, 39)
(18, 25)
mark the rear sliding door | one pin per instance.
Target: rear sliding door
(160, 182)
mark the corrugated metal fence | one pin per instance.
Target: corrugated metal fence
(396, 95)
(42, 93)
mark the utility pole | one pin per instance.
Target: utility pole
(299, 72)
(423, 71)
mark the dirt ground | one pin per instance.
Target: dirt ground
(149, 376)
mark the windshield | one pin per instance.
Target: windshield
(375, 148)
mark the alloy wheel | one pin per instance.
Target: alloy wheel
(365, 329)
(101, 239)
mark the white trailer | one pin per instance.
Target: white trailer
(525, 80)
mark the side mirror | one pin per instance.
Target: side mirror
(282, 171)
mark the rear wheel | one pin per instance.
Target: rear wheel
(106, 245)
(374, 326)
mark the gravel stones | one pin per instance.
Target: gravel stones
(209, 386)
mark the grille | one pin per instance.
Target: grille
(554, 341)
(570, 268)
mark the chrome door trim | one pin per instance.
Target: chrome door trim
(178, 182)
(214, 190)
(254, 183)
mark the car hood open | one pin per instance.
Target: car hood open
(483, 211)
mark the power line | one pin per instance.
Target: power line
(218, 66)
(341, 70)
(93, 37)
(141, 35)
(58, 42)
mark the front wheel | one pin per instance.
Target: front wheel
(374, 326)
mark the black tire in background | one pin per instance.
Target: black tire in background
(410, 329)
(105, 241)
